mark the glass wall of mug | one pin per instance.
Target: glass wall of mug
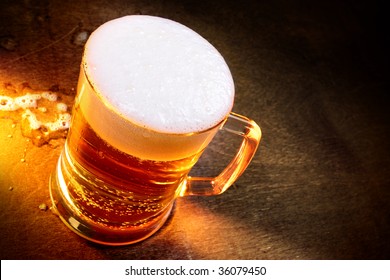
(133, 140)
(116, 181)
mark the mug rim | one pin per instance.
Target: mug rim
(113, 110)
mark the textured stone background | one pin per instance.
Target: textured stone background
(313, 74)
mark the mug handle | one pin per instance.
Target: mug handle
(251, 134)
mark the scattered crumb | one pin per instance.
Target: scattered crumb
(43, 206)
(10, 188)
(23, 160)
(9, 135)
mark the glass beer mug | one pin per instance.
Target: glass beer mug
(151, 95)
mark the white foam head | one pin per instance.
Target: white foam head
(154, 83)
(159, 74)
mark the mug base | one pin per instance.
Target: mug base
(98, 233)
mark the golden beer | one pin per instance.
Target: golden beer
(133, 140)
(116, 193)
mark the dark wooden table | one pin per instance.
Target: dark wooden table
(313, 74)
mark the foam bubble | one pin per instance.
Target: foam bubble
(49, 96)
(7, 104)
(62, 122)
(29, 100)
(159, 74)
(32, 119)
(62, 107)
(39, 121)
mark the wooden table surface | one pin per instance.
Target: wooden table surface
(312, 74)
